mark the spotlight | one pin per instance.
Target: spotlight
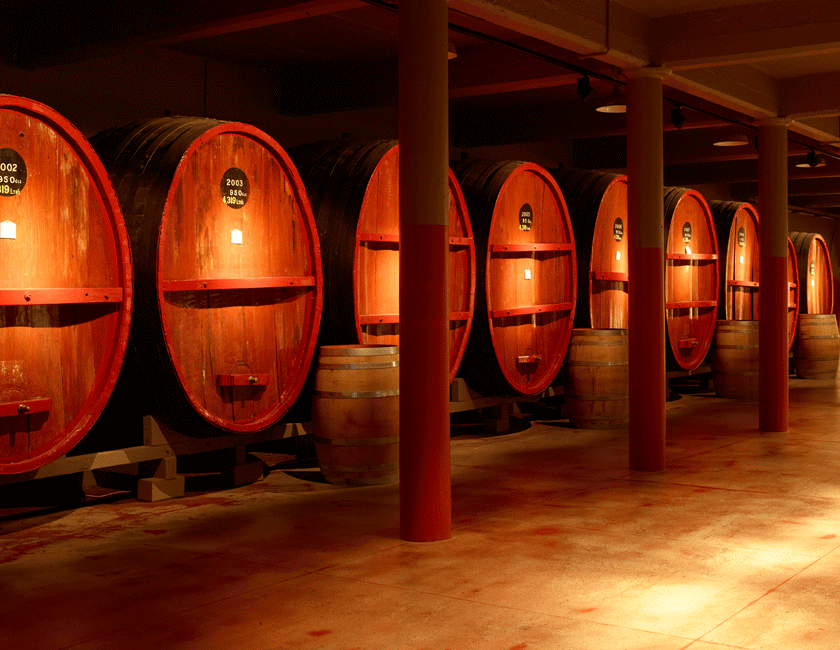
(677, 117)
(812, 160)
(615, 103)
(732, 138)
(584, 89)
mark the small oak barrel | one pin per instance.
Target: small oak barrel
(526, 276)
(595, 379)
(66, 286)
(816, 286)
(736, 226)
(229, 282)
(354, 189)
(598, 209)
(734, 359)
(692, 278)
(793, 293)
(816, 350)
(356, 413)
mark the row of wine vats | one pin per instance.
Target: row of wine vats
(191, 268)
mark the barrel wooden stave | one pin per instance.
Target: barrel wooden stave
(355, 414)
(734, 359)
(816, 284)
(354, 189)
(194, 342)
(510, 352)
(690, 280)
(816, 350)
(69, 234)
(598, 211)
(595, 379)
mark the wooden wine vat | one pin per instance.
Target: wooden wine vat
(595, 379)
(354, 190)
(229, 282)
(816, 351)
(816, 286)
(692, 279)
(793, 293)
(66, 286)
(734, 359)
(736, 226)
(526, 277)
(356, 414)
(598, 210)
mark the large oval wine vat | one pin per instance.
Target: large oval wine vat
(354, 190)
(793, 293)
(66, 286)
(598, 209)
(816, 286)
(229, 283)
(737, 232)
(692, 279)
(526, 276)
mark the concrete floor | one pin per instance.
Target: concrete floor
(555, 545)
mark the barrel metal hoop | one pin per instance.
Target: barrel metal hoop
(734, 374)
(598, 398)
(358, 366)
(600, 343)
(599, 364)
(361, 468)
(359, 395)
(736, 347)
(807, 359)
(372, 351)
(356, 442)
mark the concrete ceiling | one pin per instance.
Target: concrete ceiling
(732, 60)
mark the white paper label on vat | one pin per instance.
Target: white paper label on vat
(235, 236)
(8, 230)
(742, 259)
(812, 283)
(618, 255)
(688, 250)
(527, 274)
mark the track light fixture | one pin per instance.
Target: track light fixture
(812, 160)
(732, 138)
(677, 117)
(584, 88)
(615, 103)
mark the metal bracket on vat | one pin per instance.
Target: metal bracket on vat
(27, 407)
(242, 379)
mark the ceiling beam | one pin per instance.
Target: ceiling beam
(811, 96)
(796, 187)
(51, 35)
(580, 27)
(747, 33)
(818, 201)
(742, 171)
(492, 69)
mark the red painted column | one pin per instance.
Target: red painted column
(425, 486)
(773, 240)
(646, 244)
